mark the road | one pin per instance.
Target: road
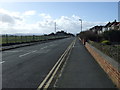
(26, 67)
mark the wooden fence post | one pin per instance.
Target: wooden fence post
(6, 38)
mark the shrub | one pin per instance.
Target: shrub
(112, 35)
(89, 35)
(106, 42)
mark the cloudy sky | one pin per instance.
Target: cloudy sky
(39, 17)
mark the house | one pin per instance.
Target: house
(97, 29)
(106, 27)
(118, 25)
(115, 25)
(111, 26)
(100, 30)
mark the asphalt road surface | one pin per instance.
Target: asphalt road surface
(26, 67)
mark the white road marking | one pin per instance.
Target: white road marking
(48, 46)
(27, 53)
(52, 45)
(34, 51)
(12, 51)
(44, 47)
(2, 62)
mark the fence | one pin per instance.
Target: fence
(111, 50)
(13, 39)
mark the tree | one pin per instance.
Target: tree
(89, 35)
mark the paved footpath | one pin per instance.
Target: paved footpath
(82, 71)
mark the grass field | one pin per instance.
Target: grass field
(21, 39)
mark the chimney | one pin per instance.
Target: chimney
(115, 20)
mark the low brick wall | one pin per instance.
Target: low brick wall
(112, 70)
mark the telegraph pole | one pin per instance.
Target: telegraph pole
(55, 27)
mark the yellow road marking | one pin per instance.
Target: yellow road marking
(56, 68)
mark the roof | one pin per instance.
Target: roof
(108, 24)
(116, 23)
(96, 28)
(113, 23)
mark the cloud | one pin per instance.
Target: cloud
(45, 16)
(73, 25)
(16, 22)
(27, 13)
(9, 17)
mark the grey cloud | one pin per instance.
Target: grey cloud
(18, 18)
(7, 19)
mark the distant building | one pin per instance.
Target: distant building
(112, 26)
(118, 25)
(106, 27)
(109, 26)
(97, 29)
(115, 26)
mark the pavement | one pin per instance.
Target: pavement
(82, 71)
(26, 67)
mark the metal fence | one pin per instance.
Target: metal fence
(111, 50)
(12, 39)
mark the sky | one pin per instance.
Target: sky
(39, 17)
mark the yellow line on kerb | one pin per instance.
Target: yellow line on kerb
(79, 38)
(56, 68)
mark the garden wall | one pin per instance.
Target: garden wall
(110, 66)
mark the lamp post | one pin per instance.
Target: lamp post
(81, 24)
(84, 39)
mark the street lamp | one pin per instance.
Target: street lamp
(83, 40)
(81, 24)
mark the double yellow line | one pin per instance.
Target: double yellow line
(48, 79)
